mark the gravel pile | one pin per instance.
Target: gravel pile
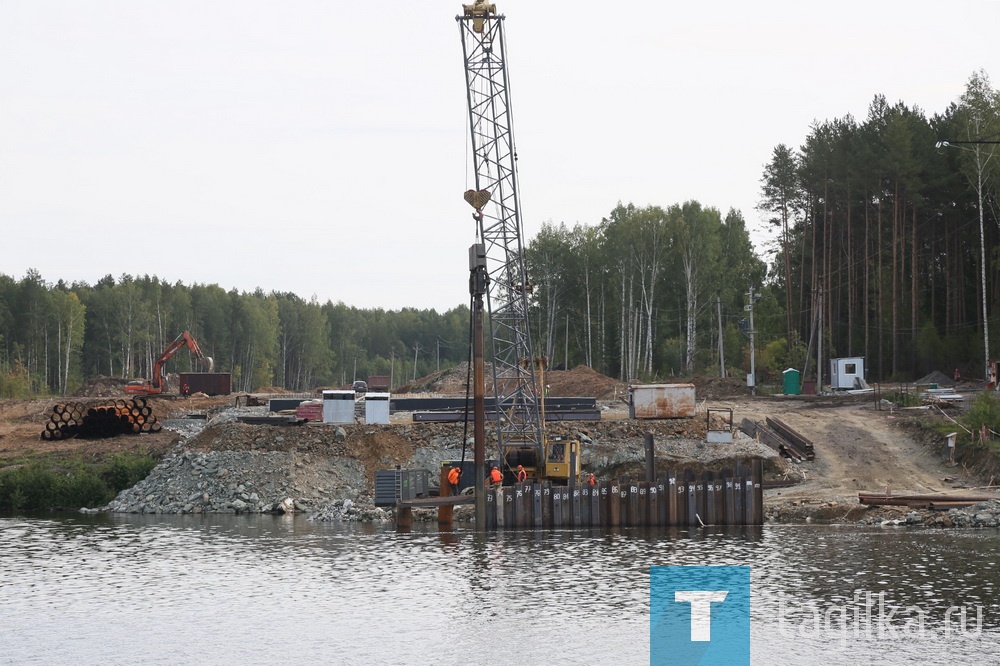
(223, 466)
(984, 514)
(216, 482)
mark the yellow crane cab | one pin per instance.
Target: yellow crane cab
(560, 454)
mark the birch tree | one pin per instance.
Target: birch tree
(696, 235)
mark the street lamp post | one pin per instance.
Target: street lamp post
(982, 239)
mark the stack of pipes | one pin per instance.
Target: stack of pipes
(98, 420)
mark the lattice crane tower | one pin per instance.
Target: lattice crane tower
(498, 214)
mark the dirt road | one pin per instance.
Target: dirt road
(858, 448)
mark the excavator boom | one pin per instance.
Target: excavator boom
(157, 383)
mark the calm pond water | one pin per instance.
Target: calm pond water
(262, 590)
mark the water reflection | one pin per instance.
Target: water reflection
(257, 589)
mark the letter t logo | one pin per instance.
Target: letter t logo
(701, 611)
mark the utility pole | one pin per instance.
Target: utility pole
(416, 350)
(722, 353)
(819, 342)
(566, 347)
(752, 378)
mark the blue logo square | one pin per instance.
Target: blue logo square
(699, 615)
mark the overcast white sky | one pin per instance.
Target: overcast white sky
(320, 147)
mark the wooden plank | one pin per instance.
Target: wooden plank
(432, 502)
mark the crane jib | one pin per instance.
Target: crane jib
(499, 228)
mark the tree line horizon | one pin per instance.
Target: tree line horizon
(877, 235)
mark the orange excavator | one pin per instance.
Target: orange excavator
(158, 383)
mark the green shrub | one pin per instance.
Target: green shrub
(37, 487)
(904, 398)
(127, 469)
(84, 490)
(28, 488)
(984, 409)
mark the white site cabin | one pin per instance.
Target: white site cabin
(847, 373)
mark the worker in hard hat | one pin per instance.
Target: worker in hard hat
(591, 481)
(496, 478)
(522, 476)
(454, 475)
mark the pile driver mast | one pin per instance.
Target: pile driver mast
(498, 216)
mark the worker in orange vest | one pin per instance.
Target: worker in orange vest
(591, 481)
(454, 474)
(521, 474)
(496, 478)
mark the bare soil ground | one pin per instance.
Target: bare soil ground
(22, 422)
(858, 448)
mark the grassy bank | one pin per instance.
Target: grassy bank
(971, 450)
(47, 484)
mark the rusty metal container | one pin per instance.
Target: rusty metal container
(661, 401)
(209, 383)
(378, 383)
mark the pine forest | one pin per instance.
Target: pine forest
(881, 242)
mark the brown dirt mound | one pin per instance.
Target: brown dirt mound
(448, 382)
(583, 381)
(382, 449)
(102, 387)
(716, 388)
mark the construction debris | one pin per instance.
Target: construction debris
(780, 437)
(935, 501)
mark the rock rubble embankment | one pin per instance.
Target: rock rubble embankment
(232, 467)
